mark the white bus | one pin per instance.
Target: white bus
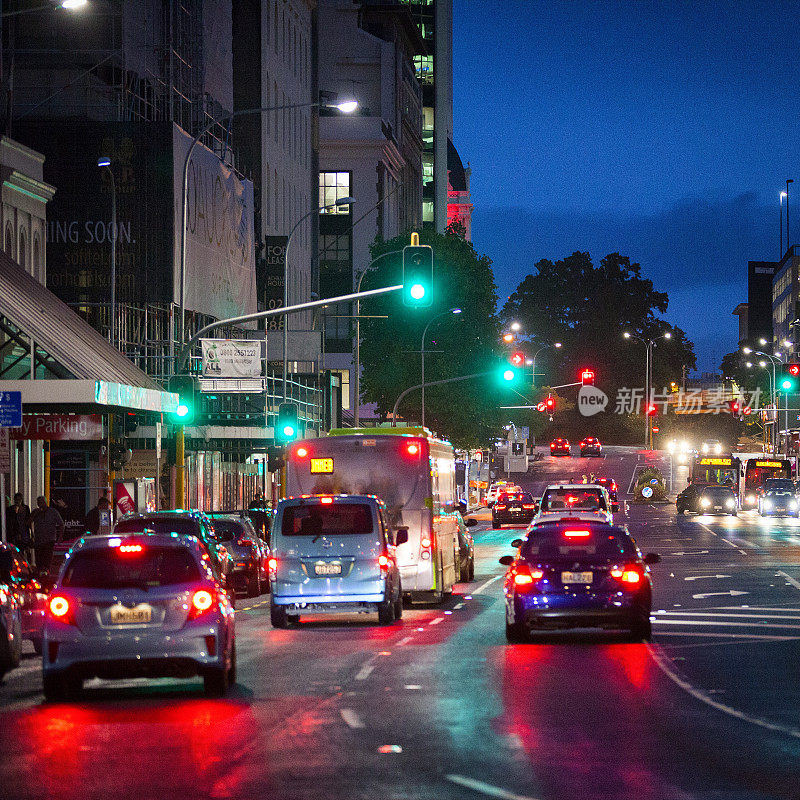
(412, 472)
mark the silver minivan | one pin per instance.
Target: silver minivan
(334, 554)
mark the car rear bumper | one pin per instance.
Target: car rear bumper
(562, 611)
(510, 519)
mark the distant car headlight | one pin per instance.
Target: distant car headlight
(751, 498)
(767, 505)
(705, 447)
(672, 445)
(685, 445)
(730, 503)
(682, 458)
(717, 448)
(793, 505)
(705, 502)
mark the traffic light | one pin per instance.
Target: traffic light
(550, 404)
(652, 410)
(735, 407)
(187, 389)
(418, 275)
(287, 428)
(587, 377)
(790, 373)
(509, 374)
(518, 358)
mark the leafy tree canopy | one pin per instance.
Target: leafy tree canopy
(466, 412)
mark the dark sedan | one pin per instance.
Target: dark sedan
(590, 446)
(249, 552)
(513, 508)
(578, 575)
(778, 498)
(31, 595)
(717, 500)
(559, 447)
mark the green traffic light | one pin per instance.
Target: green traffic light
(787, 384)
(288, 431)
(417, 291)
(182, 410)
(509, 375)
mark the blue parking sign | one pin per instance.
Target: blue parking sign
(10, 409)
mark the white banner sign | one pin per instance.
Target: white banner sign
(231, 358)
(220, 257)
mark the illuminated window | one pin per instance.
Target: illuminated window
(332, 187)
(427, 210)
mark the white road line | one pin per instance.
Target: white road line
(480, 589)
(485, 788)
(750, 608)
(457, 606)
(351, 718)
(698, 694)
(406, 640)
(737, 637)
(714, 623)
(436, 621)
(365, 672)
(746, 615)
(735, 546)
(789, 579)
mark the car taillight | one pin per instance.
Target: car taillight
(630, 574)
(202, 601)
(130, 548)
(499, 507)
(570, 534)
(383, 562)
(528, 505)
(272, 566)
(326, 501)
(524, 577)
(60, 609)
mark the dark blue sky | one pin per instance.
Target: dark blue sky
(661, 130)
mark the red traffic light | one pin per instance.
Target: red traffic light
(734, 406)
(793, 369)
(587, 377)
(550, 403)
(652, 410)
(518, 358)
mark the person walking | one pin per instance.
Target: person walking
(99, 520)
(48, 528)
(18, 533)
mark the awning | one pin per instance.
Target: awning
(102, 376)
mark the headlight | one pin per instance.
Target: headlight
(793, 505)
(705, 448)
(671, 446)
(767, 505)
(683, 458)
(730, 503)
(705, 502)
(751, 498)
(684, 445)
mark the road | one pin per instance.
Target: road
(439, 706)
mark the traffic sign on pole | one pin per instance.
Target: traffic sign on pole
(10, 409)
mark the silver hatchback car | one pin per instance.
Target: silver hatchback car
(140, 605)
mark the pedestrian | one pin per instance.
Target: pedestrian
(259, 515)
(48, 528)
(98, 520)
(18, 525)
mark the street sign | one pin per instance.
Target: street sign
(543, 407)
(10, 409)
(647, 492)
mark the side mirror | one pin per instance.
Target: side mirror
(652, 558)
(516, 543)
(471, 522)
(507, 561)
(401, 536)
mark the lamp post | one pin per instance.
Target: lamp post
(345, 107)
(422, 352)
(788, 237)
(342, 201)
(763, 365)
(781, 196)
(546, 347)
(104, 162)
(774, 358)
(648, 380)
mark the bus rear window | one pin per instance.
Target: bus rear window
(330, 520)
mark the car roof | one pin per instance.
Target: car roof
(316, 499)
(156, 539)
(592, 524)
(577, 486)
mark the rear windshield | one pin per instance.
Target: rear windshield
(112, 569)
(226, 530)
(329, 520)
(187, 527)
(573, 500)
(599, 545)
(522, 497)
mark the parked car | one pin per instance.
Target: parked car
(590, 446)
(559, 447)
(189, 523)
(570, 575)
(138, 606)
(10, 620)
(574, 501)
(334, 554)
(248, 550)
(513, 508)
(466, 549)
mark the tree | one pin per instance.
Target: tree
(465, 412)
(588, 308)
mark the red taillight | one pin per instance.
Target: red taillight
(630, 574)
(130, 548)
(521, 579)
(202, 601)
(524, 577)
(499, 507)
(528, 505)
(272, 565)
(326, 501)
(60, 609)
(384, 562)
(577, 534)
(412, 449)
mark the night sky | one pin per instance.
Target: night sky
(661, 130)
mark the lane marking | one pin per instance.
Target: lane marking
(485, 788)
(480, 589)
(734, 546)
(729, 593)
(351, 718)
(709, 622)
(457, 606)
(436, 621)
(730, 616)
(405, 641)
(789, 579)
(698, 694)
(365, 672)
(704, 577)
(739, 638)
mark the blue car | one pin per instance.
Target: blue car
(577, 575)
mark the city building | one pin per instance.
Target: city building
(374, 156)
(785, 296)
(459, 200)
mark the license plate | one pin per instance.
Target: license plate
(328, 569)
(120, 615)
(576, 577)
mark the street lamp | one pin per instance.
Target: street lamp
(422, 352)
(515, 326)
(67, 5)
(104, 162)
(346, 107)
(648, 379)
(533, 363)
(782, 195)
(342, 201)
